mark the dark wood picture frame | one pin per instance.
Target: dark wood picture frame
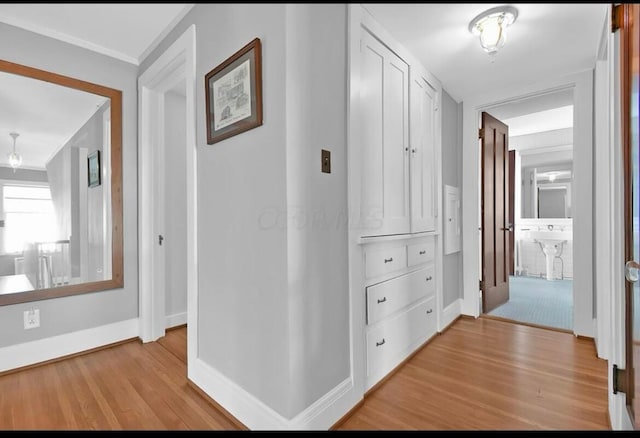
(93, 169)
(233, 93)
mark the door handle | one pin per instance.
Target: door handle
(160, 239)
(509, 228)
(631, 271)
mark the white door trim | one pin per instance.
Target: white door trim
(581, 83)
(175, 64)
(618, 414)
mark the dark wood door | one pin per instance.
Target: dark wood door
(494, 144)
(512, 212)
(628, 16)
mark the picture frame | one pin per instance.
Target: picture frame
(233, 93)
(93, 169)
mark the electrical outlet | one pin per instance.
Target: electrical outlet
(31, 318)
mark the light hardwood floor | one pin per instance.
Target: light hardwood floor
(486, 374)
(479, 374)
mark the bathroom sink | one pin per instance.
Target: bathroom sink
(550, 237)
(550, 241)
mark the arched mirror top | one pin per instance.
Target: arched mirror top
(60, 185)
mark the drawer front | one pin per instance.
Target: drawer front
(385, 298)
(389, 343)
(420, 253)
(383, 261)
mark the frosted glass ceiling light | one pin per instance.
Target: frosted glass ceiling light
(491, 27)
(15, 159)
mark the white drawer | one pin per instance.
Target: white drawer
(381, 261)
(389, 296)
(393, 340)
(420, 253)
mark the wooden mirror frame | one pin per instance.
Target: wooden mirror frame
(117, 277)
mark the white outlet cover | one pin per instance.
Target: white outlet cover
(31, 319)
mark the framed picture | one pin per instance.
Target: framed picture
(234, 94)
(93, 160)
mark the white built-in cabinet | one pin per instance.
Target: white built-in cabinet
(424, 105)
(395, 182)
(384, 107)
(398, 140)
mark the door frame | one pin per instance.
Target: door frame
(177, 63)
(619, 414)
(582, 85)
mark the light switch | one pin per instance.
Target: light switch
(326, 161)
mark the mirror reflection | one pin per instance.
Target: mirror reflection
(546, 178)
(546, 185)
(55, 226)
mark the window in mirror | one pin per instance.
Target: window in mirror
(59, 235)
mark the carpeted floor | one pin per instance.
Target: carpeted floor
(539, 301)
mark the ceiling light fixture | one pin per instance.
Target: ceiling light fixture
(15, 159)
(491, 26)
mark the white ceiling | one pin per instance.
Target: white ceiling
(547, 40)
(45, 115)
(541, 121)
(127, 31)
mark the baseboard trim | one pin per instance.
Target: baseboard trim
(254, 414)
(56, 347)
(328, 409)
(175, 320)
(450, 314)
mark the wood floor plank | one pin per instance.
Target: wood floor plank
(480, 374)
(485, 374)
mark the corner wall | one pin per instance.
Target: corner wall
(273, 285)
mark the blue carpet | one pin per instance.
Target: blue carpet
(539, 301)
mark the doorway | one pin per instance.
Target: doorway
(539, 213)
(167, 189)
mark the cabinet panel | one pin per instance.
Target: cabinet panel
(420, 253)
(422, 143)
(385, 198)
(394, 339)
(382, 261)
(387, 297)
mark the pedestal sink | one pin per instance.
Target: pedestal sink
(551, 241)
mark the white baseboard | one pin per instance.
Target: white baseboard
(42, 350)
(256, 415)
(450, 313)
(327, 410)
(176, 319)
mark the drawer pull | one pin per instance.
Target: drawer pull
(390, 259)
(423, 252)
(429, 311)
(382, 300)
(429, 278)
(380, 343)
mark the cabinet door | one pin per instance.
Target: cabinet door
(422, 143)
(384, 153)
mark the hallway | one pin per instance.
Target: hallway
(480, 374)
(485, 374)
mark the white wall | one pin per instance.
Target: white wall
(175, 206)
(273, 285)
(75, 313)
(317, 202)
(451, 175)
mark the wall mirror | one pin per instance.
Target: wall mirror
(546, 183)
(60, 185)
